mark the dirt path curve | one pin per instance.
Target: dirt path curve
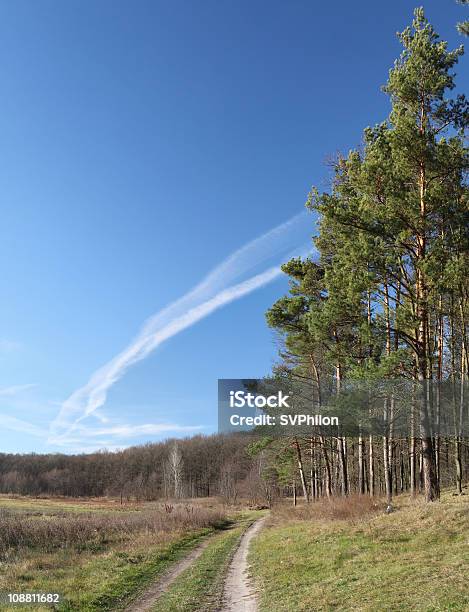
(148, 599)
(239, 594)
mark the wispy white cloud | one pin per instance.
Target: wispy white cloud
(102, 418)
(115, 436)
(9, 396)
(14, 424)
(131, 431)
(14, 390)
(217, 289)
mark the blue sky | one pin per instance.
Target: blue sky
(142, 143)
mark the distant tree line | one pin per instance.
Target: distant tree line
(194, 467)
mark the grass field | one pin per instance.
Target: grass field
(342, 555)
(96, 555)
(58, 504)
(352, 556)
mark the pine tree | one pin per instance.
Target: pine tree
(463, 26)
(394, 243)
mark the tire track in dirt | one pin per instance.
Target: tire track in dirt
(239, 594)
(147, 600)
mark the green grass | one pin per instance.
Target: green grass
(91, 589)
(200, 587)
(416, 558)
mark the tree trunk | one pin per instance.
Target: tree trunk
(327, 467)
(371, 468)
(301, 470)
(361, 471)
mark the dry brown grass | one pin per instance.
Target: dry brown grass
(350, 508)
(92, 531)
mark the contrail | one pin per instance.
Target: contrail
(213, 292)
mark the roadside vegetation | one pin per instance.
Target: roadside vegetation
(350, 555)
(97, 560)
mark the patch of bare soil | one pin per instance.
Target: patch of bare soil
(239, 594)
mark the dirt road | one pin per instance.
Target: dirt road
(239, 594)
(150, 597)
(238, 591)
